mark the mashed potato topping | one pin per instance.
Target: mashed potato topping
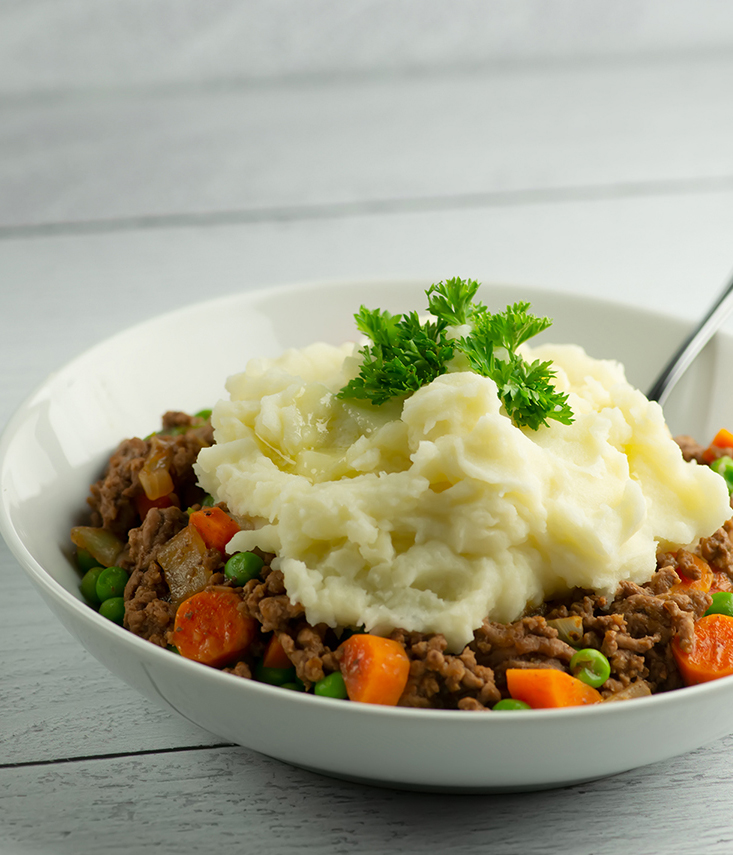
(435, 513)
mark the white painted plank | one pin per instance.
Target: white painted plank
(460, 139)
(49, 45)
(232, 800)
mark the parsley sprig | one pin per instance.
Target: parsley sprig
(406, 354)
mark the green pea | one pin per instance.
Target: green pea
(722, 604)
(85, 561)
(88, 586)
(242, 567)
(511, 704)
(173, 649)
(331, 686)
(724, 466)
(113, 609)
(273, 676)
(295, 686)
(208, 501)
(111, 583)
(203, 414)
(590, 666)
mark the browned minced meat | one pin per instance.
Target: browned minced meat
(267, 602)
(310, 648)
(526, 643)
(441, 680)
(148, 610)
(634, 631)
(718, 551)
(145, 541)
(112, 498)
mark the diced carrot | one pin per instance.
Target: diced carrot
(215, 526)
(210, 628)
(375, 669)
(701, 584)
(144, 504)
(711, 656)
(275, 655)
(722, 439)
(543, 688)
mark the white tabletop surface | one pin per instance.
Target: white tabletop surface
(597, 164)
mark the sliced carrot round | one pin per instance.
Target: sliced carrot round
(711, 656)
(210, 628)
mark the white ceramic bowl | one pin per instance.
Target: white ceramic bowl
(57, 444)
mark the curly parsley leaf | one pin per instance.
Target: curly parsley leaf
(381, 327)
(525, 390)
(406, 354)
(452, 301)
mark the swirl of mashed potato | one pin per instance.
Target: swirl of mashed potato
(434, 514)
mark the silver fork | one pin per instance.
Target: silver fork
(692, 346)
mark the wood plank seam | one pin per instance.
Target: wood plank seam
(490, 199)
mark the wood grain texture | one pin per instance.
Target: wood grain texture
(79, 44)
(235, 800)
(484, 139)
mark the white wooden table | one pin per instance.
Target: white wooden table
(608, 175)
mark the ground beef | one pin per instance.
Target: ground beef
(144, 542)
(113, 498)
(441, 680)
(148, 611)
(241, 669)
(526, 643)
(634, 631)
(718, 550)
(309, 651)
(267, 602)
